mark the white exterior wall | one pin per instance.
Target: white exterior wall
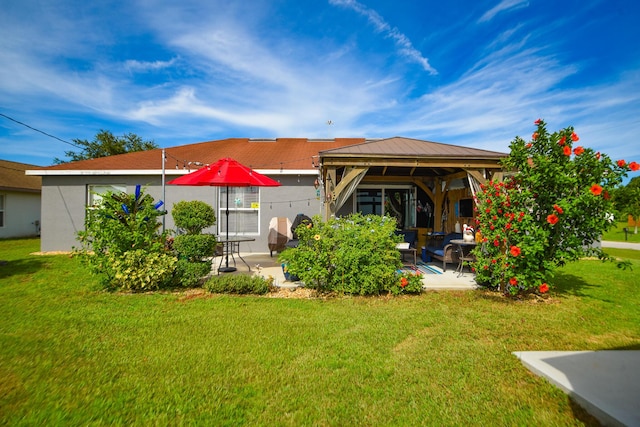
(21, 212)
(64, 199)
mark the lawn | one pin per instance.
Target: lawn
(73, 354)
(617, 234)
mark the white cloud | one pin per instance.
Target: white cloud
(504, 5)
(403, 43)
(144, 66)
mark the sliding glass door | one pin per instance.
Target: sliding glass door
(398, 202)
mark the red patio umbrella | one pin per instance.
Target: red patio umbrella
(225, 172)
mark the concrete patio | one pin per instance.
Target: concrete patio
(265, 265)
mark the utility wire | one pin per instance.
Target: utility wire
(38, 130)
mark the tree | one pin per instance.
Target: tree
(106, 144)
(551, 211)
(627, 201)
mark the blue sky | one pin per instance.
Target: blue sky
(474, 73)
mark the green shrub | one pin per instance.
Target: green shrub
(189, 274)
(238, 284)
(352, 255)
(407, 283)
(139, 270)
(195, 247)
(193, 216)
(125, 223)
(547, 214)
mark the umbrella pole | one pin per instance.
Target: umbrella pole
(226, 268)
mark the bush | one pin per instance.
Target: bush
(195, 247)
(189, 274)
(407, 283)
(549, 213)
(352, 255)
(193, 216)
(125, 223)
(139, 270)
(238, 284)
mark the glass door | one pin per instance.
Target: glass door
(369, 201)
(398, 202)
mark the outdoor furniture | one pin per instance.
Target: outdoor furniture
(464, 255)
(231, 246)
(446, 251)
(409, 245)
(297, 221)
(279, 234)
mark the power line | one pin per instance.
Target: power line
(38, 130)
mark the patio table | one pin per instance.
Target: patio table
(464, 249)
(231, 246)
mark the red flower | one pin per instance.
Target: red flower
(515, 251)
(566, 150)
(578, 150)
(544, 288)
(634, 166)
(493, 261)
(558, 209)
(534, 136)
(606, 195)
(529, 145)
(562, 140)
(621, 163)
(598, 155)
(513, 281)
(552, 219)
(496, 242)
(596, 189)
(537, 122)
(508, 226)
(404, 282)
(574, 137)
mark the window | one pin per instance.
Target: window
(1, 210)
(95, 192)
(244, 210)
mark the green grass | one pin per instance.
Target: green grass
(616, 234)
(73, 354)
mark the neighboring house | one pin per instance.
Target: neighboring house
(19, 200)
(425, 185)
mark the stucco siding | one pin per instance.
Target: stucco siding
(64, 199)
(21, 214)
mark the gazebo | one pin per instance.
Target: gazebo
(417, 175)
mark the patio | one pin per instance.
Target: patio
(265, 265)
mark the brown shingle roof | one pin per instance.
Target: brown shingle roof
(12, 177)
(285, 153)
(280, 153)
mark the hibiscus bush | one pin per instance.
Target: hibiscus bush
(552, 210)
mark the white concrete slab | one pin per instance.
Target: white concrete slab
(605, 383)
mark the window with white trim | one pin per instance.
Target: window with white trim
(244, 210)
(1, 210)
(95, 192)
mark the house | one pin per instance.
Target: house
(19, 201)
(424, 185)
